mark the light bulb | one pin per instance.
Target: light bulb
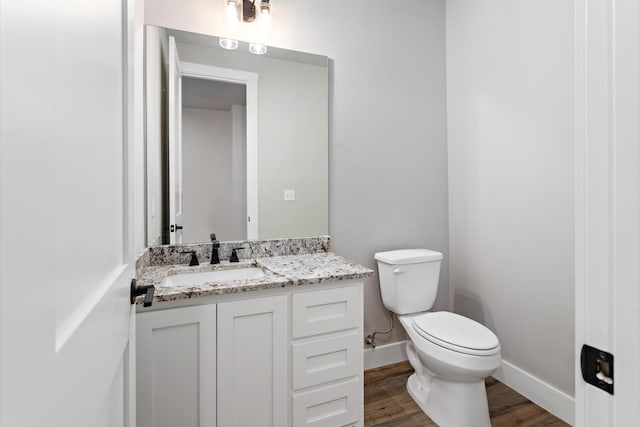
(265, 15)
(257, 48)
(231, 11)
(229, 44)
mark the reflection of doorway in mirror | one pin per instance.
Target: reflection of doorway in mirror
(213, 159)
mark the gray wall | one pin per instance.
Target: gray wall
(510, 126)
(387, 122)
(207, 176)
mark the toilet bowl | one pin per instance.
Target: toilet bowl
(448, 383)
(451, 354)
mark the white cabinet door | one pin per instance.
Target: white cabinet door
(176, 367)
(253, 383)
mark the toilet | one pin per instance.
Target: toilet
(451, 354)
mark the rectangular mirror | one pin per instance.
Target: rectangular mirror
(236, 143)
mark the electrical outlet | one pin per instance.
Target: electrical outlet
(289, 195)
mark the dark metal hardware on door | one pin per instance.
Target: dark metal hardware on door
(147, 291)
(175, 227)
(597, 367)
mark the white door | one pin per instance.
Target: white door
(608, 205)
(175, 145)
(66, 246)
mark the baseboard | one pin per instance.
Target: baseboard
(385, 355)
(542, 394)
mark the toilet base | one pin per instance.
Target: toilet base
(451, 404)
(418, 390)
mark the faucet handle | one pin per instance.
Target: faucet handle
(234, 255)
(194, 258)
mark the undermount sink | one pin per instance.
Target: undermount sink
(194, 279)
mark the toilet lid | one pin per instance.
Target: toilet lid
(456, 333)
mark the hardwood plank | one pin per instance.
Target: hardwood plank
(387, 402)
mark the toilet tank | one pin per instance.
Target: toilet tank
(409, 279)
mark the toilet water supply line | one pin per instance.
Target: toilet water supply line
(371, 338)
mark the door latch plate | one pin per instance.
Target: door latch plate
(597, 367)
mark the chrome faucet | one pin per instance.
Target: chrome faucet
(215, 259)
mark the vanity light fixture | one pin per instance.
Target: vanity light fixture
(231, 11)
(229, 44)
(265, 13)
(265, 8)
(257, 48)
(248, 10)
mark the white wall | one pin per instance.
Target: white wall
(510, 129)
(207, 176)
(387, 121)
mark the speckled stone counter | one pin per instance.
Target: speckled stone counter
(251, 249)
(280, 272)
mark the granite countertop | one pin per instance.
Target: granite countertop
(280, 272)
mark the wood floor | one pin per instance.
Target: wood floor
(387, 402)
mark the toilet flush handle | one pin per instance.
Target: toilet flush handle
(397, 270)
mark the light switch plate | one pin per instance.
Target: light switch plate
(289, 195)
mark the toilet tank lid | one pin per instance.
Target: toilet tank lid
(408, 256)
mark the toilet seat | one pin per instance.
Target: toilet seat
(456, 333)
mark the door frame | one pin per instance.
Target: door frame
(607, 204)
(250, 81)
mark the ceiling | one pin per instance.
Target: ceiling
(211, 94)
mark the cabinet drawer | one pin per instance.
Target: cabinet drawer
(331, 406)
(326, 360)
(326, 311)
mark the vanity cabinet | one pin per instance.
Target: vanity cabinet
(289, 357)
